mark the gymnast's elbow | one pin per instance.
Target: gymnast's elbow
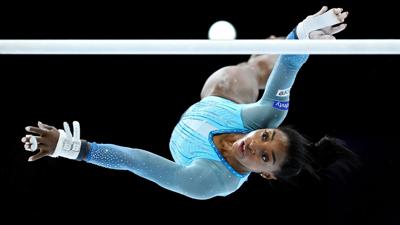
(201, 194)
(205, 192)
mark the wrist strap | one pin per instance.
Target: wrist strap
(68, 146)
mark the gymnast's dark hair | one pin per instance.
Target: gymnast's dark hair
(304, 155)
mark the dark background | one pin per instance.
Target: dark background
(136, 101)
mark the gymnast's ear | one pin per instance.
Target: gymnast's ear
(268, 176)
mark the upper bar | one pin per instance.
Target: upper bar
(200, 47)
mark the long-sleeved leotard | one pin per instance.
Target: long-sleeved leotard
(199, 170)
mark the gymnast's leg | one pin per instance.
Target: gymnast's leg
(240, 83)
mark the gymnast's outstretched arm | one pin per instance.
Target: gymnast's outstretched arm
(273, 106)
(199, 180)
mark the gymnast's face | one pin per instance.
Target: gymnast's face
(262, 151)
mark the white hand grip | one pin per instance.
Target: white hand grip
(68, 145)
(327, 19)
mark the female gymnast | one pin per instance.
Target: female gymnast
(227, 135)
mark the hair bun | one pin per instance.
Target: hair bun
(329, 150)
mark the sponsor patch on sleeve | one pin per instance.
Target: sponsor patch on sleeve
(281, 105)
(283, 92)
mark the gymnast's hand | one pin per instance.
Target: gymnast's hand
(46, 142)
(328, 32)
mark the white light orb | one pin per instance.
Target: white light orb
(222, 30)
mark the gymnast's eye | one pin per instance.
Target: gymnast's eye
(264, 157)
(264, 136)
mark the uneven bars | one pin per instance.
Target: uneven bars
(200, 47)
